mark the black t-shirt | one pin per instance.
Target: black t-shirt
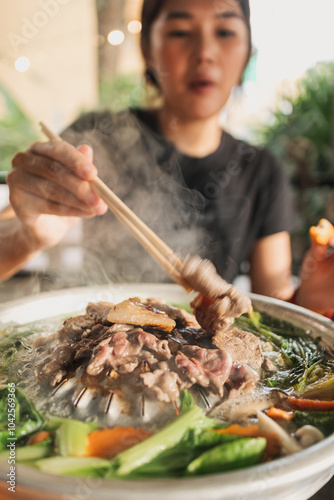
(217, 206)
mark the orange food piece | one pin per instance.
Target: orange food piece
(273, 446)
(322, 233)
(107, 443)
(274, 412)
(311, 404)
(39, 437)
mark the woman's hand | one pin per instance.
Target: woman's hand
(316, 289)
(50, 190)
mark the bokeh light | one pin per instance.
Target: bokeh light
(116, 37)
(134, 27)
(22, 64)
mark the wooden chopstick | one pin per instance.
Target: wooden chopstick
(161, 252)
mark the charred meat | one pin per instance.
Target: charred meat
(151, 347)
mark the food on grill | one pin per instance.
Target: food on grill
(133, 312)
(139, 389)
(242, 346)
(149, 346)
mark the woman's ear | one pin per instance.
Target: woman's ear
(150, 73)
(145, 50)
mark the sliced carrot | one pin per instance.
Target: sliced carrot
(274, 412)
(322, 233)
(106, 443)
(311, 404)
(239, 430)
(273, 447)
(39, 437)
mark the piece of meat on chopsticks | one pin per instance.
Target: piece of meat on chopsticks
(218, 302)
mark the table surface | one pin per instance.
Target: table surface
(27, 284)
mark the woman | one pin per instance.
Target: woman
(199, 188)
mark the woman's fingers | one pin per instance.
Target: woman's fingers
(87, 151)
(48, 178)
(53, 178)
(32, 206)
(67, 155)
(73, 194)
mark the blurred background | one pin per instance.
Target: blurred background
(60, 58)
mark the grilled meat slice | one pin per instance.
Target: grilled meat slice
(181, 316)
(127, 348)
(74, 327)
(243, 346)
(206, 367)
(53, 368)
(164, 383)
(99, 311)
(242, 378)
(133, 312)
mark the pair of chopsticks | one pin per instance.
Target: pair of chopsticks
(157, 248)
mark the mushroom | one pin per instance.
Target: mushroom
(308, 435)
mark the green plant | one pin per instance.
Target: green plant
(16, 130)
(124, 91)
(302, 136)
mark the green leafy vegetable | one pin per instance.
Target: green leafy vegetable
(229, 456)
(186, 401)
(306, 362)
(18, 416)
(144, 452)
(322, 420)
(173, 462)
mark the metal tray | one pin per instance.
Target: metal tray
(295, 477)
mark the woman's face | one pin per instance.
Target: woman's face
(198, 50)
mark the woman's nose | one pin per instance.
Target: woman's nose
(204, 48)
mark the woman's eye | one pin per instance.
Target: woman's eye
(178, 33)
(225, 33)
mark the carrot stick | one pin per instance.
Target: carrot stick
(239, 430)
(106, 443)
(274, 412)
(273, 447)
(311, 404)
(39, 437)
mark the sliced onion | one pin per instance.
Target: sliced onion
(288, 443)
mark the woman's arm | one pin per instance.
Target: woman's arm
(17, 247)
(49, 190)
(316, 288)
(270, 266)
(271, 273)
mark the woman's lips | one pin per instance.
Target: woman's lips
(201, 86)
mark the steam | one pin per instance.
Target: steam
(146, 175)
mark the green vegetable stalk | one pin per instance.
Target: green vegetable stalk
(71, 437)
(144, 452)
(74, 466)
(228, 456)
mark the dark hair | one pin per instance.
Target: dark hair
(151, 10)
